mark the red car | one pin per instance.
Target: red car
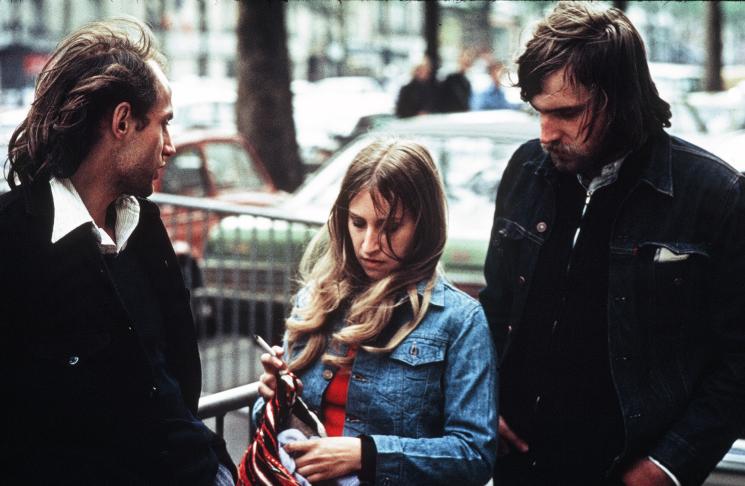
(212, 164)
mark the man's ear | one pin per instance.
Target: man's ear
(121, 119)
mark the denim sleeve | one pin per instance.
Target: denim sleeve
(715, 415)
(466, 451)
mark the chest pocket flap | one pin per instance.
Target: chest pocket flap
(507, 230)
(419, 350)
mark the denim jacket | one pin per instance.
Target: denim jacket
(676, 295)
(430, 405)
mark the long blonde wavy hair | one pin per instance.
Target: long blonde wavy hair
(401, 175)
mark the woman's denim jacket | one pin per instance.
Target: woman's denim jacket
(431, 404)
(676, 295)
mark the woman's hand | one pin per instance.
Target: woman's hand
(326, 458)
(273, 366)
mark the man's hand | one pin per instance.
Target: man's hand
(646, 473)
(326, 458)
(508, 440)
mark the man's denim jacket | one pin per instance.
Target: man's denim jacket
(431, 404)
(676, 295)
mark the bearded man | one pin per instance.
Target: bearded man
(615, 274)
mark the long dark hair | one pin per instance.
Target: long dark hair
(602, 51)
(89, 73)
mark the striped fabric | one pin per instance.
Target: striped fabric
(260, 464)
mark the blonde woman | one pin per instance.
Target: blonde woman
(398, 364)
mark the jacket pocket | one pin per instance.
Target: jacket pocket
(413, 394)
(504, 232)
(677, 272)
(419, 360)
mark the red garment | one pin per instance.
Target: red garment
(335, 401)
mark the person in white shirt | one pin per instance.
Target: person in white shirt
(100, 352)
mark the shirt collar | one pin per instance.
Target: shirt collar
(70, 213)
(608, 175)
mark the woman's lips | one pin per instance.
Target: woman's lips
(371, 262)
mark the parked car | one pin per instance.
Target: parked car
(252, 259)
(216, 164)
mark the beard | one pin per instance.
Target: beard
(571, 157)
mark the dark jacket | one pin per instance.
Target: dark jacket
(676, 323)
(415, 98)
(454, 93)
(77, 407)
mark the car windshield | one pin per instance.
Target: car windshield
(230, 167)
(471, 167)
(183, 175)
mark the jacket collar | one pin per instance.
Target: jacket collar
(658, 169)
(655, 155)
(438, 291)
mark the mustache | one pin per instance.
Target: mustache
(561, 148)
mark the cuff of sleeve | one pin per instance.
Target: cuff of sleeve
(369, 458)
(665, 470)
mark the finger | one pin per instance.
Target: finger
(271, 364)
(314, 478)
(265, 392)
(300, 446)
(312, 472)
(279, 351)
(269, 379)
(506, 433)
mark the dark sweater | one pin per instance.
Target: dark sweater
(556, 389)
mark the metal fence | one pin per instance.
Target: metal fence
(241, 265)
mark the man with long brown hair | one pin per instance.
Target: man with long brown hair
(615, 274)
(100, 359)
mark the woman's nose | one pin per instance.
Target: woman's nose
(370, 242)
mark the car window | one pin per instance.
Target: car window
(231, 167)
(471, 168)
(183, 175)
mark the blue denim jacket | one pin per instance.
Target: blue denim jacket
(676, 295)
(431, 404)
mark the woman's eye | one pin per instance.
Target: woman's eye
(358, 223)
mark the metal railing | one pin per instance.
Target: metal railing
(217, 405)
(240, 264)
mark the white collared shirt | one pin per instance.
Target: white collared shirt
(70, 213)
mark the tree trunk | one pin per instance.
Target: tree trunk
(713, 76)
(432, 34)
(202, 59)
(264, 108)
